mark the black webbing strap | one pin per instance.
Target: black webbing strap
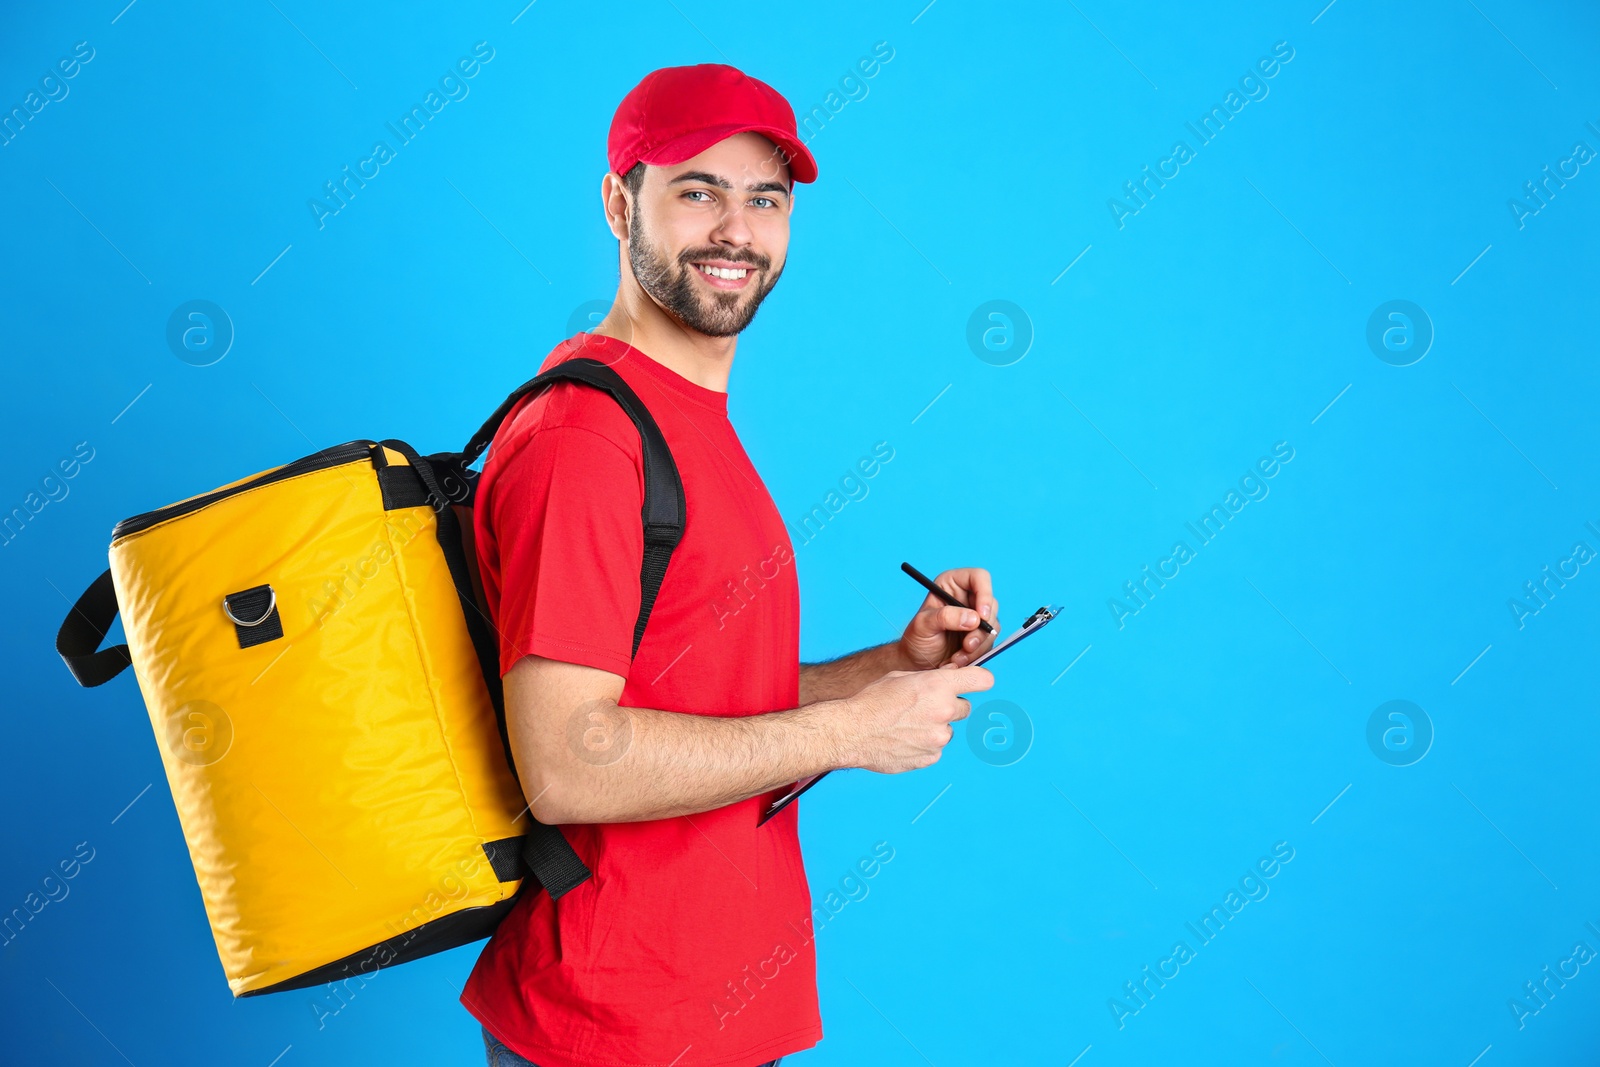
(549, 853)
(505, 857)
(664, 507)
(552, 861)
(657, 555)
(545, 850)
(85, 627)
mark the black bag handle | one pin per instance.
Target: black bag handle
(85, 627)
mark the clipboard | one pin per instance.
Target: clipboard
(1035, 623)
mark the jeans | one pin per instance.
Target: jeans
(500, 1056)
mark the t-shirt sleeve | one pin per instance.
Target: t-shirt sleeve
(566, 517)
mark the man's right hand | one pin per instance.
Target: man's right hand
(902, 721)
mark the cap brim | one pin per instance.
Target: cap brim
(802, 167)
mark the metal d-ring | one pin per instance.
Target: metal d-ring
(272, 603)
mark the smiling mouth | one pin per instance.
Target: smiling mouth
(730, 274)
(724, 275)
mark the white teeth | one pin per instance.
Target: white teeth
(724, 272)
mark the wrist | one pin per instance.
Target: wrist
(834, 724)
(894, 657)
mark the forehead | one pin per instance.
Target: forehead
(746, 161)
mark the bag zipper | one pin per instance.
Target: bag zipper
(336, 456)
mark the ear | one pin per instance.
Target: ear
(614, 202)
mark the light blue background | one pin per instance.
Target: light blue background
(1222, 318)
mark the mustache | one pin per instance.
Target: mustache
(755, 259)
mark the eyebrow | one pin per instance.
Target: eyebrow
(723, 183)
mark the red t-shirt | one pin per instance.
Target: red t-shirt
(691, 944)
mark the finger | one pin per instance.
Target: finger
(971, 679)
(935, 620)
(954, 618)
(972, 646)
(956, 628)
(974, 587)
(963, 709)
(962, 622)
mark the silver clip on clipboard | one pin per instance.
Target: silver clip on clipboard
(1035, 623)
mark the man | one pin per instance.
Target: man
(690, 943)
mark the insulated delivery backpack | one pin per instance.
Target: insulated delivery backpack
(324, 688)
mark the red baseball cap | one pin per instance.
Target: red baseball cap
(676, 113)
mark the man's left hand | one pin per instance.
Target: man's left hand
(940, 635)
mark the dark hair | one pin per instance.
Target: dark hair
(634, 178)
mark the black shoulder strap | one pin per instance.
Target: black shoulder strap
(85, 627)
(663, 510)
(545, 849)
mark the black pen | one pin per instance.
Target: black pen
(927, 583)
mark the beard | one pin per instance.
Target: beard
(714, 313)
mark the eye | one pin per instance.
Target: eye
(699, 192)
(764, 201)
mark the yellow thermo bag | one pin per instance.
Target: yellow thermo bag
(324, 690)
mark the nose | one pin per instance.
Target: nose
(732, 227)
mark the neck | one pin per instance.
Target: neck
(641, 322)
